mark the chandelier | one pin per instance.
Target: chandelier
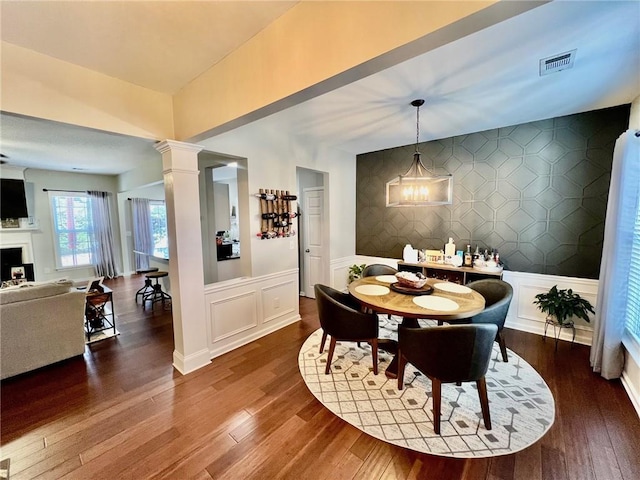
(418, 187)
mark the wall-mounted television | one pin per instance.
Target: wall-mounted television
(13, 200)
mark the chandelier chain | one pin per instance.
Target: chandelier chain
(417, 126)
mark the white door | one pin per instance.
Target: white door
(314, 249)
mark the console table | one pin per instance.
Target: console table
(449, 273)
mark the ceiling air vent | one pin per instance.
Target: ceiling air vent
(557, 63)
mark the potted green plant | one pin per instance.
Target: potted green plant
(562, 304)
(355, 271)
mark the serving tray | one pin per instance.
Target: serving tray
(426, 290)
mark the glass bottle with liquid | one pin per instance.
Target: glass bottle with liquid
(468, 259)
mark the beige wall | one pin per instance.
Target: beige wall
(44, 87)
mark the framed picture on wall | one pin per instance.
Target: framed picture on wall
(18, 275)
(10, 223)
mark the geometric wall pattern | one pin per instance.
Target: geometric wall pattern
(536, 192)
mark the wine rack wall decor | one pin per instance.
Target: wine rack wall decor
(277, 213)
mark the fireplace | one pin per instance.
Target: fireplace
(12, 257)
(15, 250)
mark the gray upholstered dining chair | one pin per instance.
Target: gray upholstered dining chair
(497, 296)
(341, 318)
(448, 354)
(376, 269)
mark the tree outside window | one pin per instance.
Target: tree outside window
(73, 229)
(158, 212)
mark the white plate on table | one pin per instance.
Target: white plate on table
(374, 290)
(436, 303)
(452, 287)
(387, 278)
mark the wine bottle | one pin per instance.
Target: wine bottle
(468, 259)
(266, 196)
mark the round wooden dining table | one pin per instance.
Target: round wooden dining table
(448, 301)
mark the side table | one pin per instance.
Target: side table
(97, 317)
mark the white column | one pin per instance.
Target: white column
(182, 197)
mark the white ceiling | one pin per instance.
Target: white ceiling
(486, 80)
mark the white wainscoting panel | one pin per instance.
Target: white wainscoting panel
(232, 315)
(279, 300)
(340, 268)
(242, 310)
(339, 272)
(524, 315)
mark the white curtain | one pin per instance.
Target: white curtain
(607, 355)
(102, 243)
(142, 234)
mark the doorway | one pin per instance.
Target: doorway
(313, 238)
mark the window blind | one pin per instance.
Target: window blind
(632, 320)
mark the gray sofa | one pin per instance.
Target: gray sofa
(40, 324)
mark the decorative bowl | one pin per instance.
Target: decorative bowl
(411, 280)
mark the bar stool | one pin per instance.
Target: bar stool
(148, 287)
(157, 295)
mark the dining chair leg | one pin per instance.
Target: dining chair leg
(401, 364)
(374, 354)
(436, 389)
(324, 339)
(484, 402)
(503, 346)
(332, 347)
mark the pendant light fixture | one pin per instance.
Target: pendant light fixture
(418, 187)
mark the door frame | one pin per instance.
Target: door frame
(325, 229)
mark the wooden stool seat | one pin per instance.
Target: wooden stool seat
(157, 274)
(147, 270)
(156, 295)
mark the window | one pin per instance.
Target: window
(632, 320)
(72, 229)
(158, 213)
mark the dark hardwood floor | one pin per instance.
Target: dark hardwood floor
(121, 411)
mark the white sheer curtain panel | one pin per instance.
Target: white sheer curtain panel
(102, 243)
(607, 355)
(142, 232)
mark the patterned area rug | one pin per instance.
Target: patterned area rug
(521, 405)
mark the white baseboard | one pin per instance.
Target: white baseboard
(226, 348)
(191, 362)
(583, 336)
(634, 395)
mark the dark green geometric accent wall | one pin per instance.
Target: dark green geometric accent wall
(537, 192)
